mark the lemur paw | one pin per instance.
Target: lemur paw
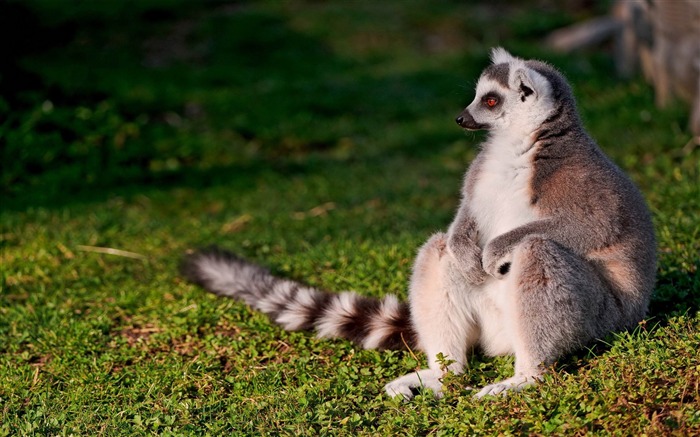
(467, 256)
(514, 384)
(409, 385)
(495, 265)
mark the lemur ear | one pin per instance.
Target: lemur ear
(529, 83)
(500, 55)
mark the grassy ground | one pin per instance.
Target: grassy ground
(318, 139)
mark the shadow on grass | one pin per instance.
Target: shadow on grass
(112, 106)
(677, 292)
(69, 139)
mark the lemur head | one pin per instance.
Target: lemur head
(514, 95)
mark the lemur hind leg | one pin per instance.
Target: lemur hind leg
(557, 302)
(440, 319)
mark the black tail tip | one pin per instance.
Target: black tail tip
(189, 267)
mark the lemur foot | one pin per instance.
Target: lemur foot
(409, 384)
(514, 384)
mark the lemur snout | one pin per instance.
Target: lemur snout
(466, 120)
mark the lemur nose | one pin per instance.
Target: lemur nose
(459, 120)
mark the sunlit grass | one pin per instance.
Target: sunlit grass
(317, 139)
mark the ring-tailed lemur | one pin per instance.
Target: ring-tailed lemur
(552, 247)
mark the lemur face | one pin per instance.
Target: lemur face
(509, 95)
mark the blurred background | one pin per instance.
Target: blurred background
(98, 96)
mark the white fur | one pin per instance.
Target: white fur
(488, 311)
(425, 378)
(515, 383)
(530, 114)
(440, 315)
(500, 55)
(219, 273)
(341, 308)
(501, 200)
(379, 327)
(294, 316)
(279, 296)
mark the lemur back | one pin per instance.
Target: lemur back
(551, 248)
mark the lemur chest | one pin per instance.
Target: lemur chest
(501, 198)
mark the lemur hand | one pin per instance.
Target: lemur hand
(467, 255)
(496, 258)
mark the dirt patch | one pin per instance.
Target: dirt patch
(227, 329)
(138, 334)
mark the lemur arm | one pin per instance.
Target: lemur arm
(496, 254)
(463, 244)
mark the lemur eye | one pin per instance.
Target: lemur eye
(491, 101)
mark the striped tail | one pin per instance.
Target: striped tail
(370, 322)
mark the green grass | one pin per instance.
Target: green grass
(315, 138)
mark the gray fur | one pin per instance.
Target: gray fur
(498, 73)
